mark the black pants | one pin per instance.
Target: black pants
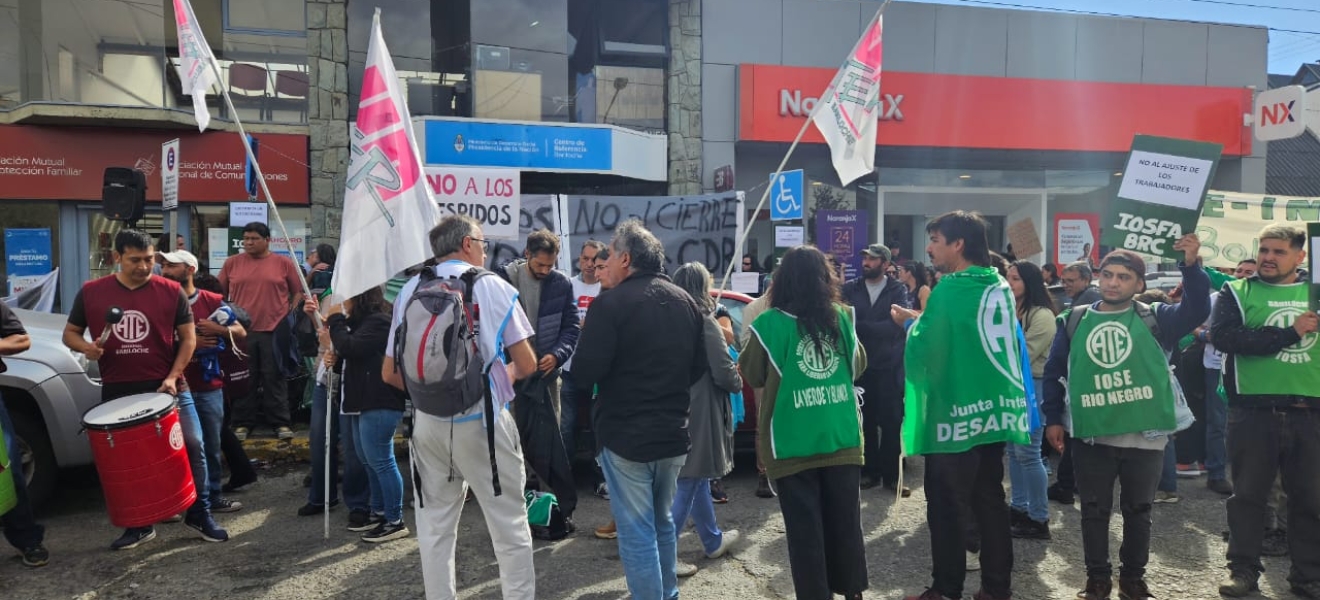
(823, 522)
(1264, 442)
(959, 487)
(1066, 480)
(1138, 474)
(240, 467)
(269, 393)
(882, 421)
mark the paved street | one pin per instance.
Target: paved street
(275, 555)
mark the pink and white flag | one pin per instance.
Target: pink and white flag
(195, 59)
(388, 207)
(850, 107)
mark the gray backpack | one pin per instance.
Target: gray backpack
(435, 345)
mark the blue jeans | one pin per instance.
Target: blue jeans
(1026, 472)
(1216, 422)
(693, 497)
(20, 527)
(373, 435)
(357, 494)
(641, 500)
(568, 405)
(211, 415)
(1169, 476)
(196, 445)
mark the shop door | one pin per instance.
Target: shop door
(96, 239)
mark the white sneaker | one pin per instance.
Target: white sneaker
(1163, 497)
(730, 538)
(973, 561)
(685, 569)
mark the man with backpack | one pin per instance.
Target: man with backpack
(453, 325)
(1121, 405)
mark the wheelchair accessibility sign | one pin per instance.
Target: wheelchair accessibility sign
(786, 195)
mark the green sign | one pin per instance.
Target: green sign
(1161, 195)
(1313, 232)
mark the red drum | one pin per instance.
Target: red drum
(138, 446)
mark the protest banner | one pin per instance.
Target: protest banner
(692, 228)
(1160, 197)
(1313, 234)
(1230, 222)
(491, 196)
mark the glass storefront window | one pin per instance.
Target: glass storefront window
(210, 229)
(406, 25)
(525, 85)
(288, 17)
(526, 24)
(630, 97)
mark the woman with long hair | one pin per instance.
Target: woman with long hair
(804, 353)
(359, 329)
(913, 274)
(1026, 468)
(710, 426)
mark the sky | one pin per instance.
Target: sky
(1294, 24)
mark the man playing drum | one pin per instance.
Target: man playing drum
(145, 352)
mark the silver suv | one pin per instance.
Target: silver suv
(47, 389)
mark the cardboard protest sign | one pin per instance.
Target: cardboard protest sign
(1160, 198)
(1313, 232)
(1025, 240)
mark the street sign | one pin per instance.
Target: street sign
(169, 174)
(786, 195)
(1280, 113)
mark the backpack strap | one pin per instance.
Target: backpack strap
(469, 279)
(1075, 319)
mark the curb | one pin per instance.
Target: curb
(270, 450)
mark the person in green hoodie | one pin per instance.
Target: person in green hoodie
(804, 353)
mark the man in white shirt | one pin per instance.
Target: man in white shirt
(448, 453)
(586, 286)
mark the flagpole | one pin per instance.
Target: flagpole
(261, 178)
(742, 239)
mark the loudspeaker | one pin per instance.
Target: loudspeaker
(123, 194)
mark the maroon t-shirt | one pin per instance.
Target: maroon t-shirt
(142, 346)
(204, 303)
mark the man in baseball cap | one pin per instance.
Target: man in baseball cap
(871, 296)
(178, 257)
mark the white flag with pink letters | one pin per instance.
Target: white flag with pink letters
(850, 107)
(195, 59)
(388, 207)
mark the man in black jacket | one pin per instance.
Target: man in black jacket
(546, 295)
(643, 347)
(882, 383)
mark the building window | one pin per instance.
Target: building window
(267, 17)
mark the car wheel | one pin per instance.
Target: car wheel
(37, 458)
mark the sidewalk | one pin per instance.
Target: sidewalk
(263, 446)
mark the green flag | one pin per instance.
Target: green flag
(964, 378)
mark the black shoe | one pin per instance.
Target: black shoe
(1239, 584)
(206, 526)
(1096, 589)
(870, 481)
(311, 510)
(1275, 543)
(1219, 486)
(236, 485)
(893, 486)
(358, 518)
(36, 556)
(763, 489)
(225, 505)
(385, 532)
(1060, 495)
(372, 522)
(132, 537)
(1017, 517)
(1133, 589)
(1031, 530)
(1310, 589)
(717, 493)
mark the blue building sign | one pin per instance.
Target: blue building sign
(518, 146)
(786, 195)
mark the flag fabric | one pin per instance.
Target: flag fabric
(195, 60)
(979, 394)
(38, 296)
(850, 107)
(388, 207)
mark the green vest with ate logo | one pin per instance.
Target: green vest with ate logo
(1293, 371)
(1118, 377)
(816, 410)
